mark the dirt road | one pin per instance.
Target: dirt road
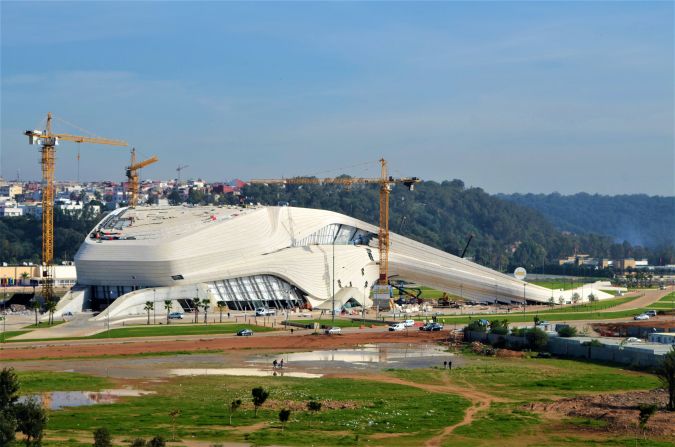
(130, 346)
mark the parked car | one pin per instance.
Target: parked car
(409, 323)
(397, 327)
(651, 313)
(260, 312)
(641, 317)
(432, 327)
(245, 333)
(176, 316)
(633, 340)
(334, 330)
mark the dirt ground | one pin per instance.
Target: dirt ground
(278, 341)
(619, 411)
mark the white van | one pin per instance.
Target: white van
(260, 312)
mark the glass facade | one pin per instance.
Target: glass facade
(340, 234)
(259, 291)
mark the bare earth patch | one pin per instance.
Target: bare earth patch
(619, 411)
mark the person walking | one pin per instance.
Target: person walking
(274, 364)
(281, 364)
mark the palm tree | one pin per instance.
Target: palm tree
(24, 277)
(206, 303)
(196, 304)
(36, 306)
(174, 414)
(148, 307)
(168, 304)
(51, 307)
(221, 307)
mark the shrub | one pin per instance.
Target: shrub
(102, 438)
(567, 331)
(666, 374)
(500, 327)
(476, 326)
(138, 442)
(260, 395)
(157, 441)
(536, 338)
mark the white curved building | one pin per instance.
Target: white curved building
(262, 257)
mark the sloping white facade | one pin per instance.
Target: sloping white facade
(289, 256)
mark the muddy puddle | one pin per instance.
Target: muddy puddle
(254, 372)
(55, 400)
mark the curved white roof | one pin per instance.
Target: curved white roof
(154, 246)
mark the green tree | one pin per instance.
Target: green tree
(500, 327)
(313, 407)
(666, 374)
(31, 421)
(168, 305)
(567, 331)
(234, 406)
(7, 428)
(175, 197)
(102, 438)
(260, 395)
(9, 388)
(646, 412)
(149, 306)
(284, 416)
(536, 338)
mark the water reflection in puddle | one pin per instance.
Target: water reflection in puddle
(413, 355)
(254, 372)
(55, 400)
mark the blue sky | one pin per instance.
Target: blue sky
(508, 96)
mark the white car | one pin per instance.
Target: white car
(641, 317)
(633, 340)
(409, 323)
(264, 312)
(397, 327)
(334, 330)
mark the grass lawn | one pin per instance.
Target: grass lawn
(9, 334)
(339, 322)
(179, 329)
(37, 382)
(369, 408)
(519, 317)
(562, 284)
(355, 412)
(42, 325)
(166, 330)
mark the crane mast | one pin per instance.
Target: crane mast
(385, 183)
(48, 141)
(132, 176)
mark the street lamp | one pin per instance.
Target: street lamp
(107, 312)
(333, 309)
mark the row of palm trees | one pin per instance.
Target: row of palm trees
(197, 304)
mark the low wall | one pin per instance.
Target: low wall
(571, 347)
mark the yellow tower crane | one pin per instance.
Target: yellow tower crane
(132, 176)
(49, 140)
(384, 181)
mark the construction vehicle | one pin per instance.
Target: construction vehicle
(384, 181)
(132, 176)
(49, 140)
